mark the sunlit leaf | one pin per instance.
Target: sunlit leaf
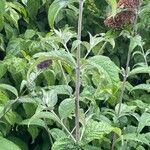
(19, 142)
(106, 67)
(113, 5)
(66, 108)
(6, 143)
(55, 8)
(142, 87)
(9, 88)
(134, 42)
(64, 144)
(134, 137)
(50, 98)
(57, 133)
(35, 122)
(139, 70)
(143, 121)
(97, 130)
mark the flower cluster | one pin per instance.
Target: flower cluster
(124, 17)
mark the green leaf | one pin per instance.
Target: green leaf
(2, 6)
(3, 97)
(125, 109)
(28, 99)
(14, 16)
(33, 132)
(138, 70)
(35, 122)
(43, 115)
(54, 9)
(134, 137)
(64, 144)
(97, 130)
(8, 145)
(61, 89)
(49, 76)
(7, 107)
(94, 41)
(106, 67)
(2, 43)
(33, 7)
(142, 87)
(19, 142)
(14, 46)
(66, 108)
(9, 88)
(50, 98)
(12, 117)
(24, 1)
(89, 147)
(57, 133)
(134, 42)
(57, 55)
(113, 4)
(29, 33)
(3, 69)
(143, 121)
(63, 36)
(2, 11)
(17, 6)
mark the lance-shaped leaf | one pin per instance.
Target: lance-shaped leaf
(113, 5)
(55, 8)
(97, 130)
(64, 144)
(6, 144)
(106, 67)
(9, 88)
(66, 108)
(145, 87)
(134, 137)
(138, 70)
(143, 121)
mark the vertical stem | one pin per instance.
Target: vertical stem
(125, 75)
(77, 106)
(121, 94)
(123, 84)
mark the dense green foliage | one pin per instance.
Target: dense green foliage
(38, 44)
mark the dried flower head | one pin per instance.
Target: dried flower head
(121, 19)
(131, 5)
(125, 17)
(44, 64)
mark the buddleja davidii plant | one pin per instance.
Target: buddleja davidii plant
(68, 104)
(118, 21)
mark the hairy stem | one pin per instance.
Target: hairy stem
(77, 106)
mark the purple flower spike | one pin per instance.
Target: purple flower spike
(44, 64)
